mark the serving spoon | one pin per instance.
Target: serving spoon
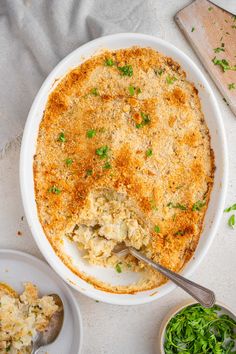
(53, 329)
(203, 295)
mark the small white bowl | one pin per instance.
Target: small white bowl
(161, 338)
(218, 142)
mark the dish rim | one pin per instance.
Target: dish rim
(95, 45)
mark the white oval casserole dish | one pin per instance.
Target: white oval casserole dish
(218, 142)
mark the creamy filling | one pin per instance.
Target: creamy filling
(108, 219)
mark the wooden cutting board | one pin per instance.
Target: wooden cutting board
(212, 33)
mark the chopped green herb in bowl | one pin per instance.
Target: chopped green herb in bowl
(194, 329)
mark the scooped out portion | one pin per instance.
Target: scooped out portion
(108, 219)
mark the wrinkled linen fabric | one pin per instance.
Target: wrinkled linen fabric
(36, 34)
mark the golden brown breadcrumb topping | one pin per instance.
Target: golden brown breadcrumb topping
(148, 139)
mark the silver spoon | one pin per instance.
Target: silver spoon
(203, 295)
(50, 334)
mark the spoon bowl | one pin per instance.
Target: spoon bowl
(50, 334)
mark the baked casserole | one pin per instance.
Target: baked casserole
(123, 155)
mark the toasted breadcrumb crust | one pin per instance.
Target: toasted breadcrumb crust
(154, 108)
(21, 316)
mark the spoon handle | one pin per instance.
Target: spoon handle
(203, 295)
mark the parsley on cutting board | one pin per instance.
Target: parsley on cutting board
(196, 330)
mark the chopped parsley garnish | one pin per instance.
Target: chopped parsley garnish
(69, 161)
(107, 166)
(8, 348)
(157, 229)
(198, 205)
(176, 206)
(89, 172)
(126, 70)
(193, 29)
(231, 208)
(179, 233)
(231, 221)
(102, 151)
(219, 49)
(109, 62)
(159, 71)
(145, 120)
(61, 137)
(223, 63)
(153, 204)
(94, 91)
(210, 8)
(149, 152)
(232, 86)
(131, 90)
(170, 79)
(196, 329)
(54, 190)
(118, 268)
(91, 133)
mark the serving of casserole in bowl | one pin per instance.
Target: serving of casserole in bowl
(124, 143)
